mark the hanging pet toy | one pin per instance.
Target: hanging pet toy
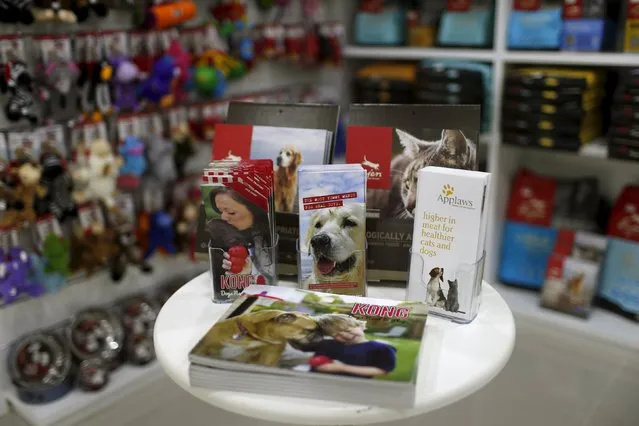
(56, 252)
(93, 248)
(18, 82)
(128, 250)
(52, 11)
(182, 61)
(99, 90)
(52, 282)
(58, 184)
(134, 166)
(125, 84)
(157, 88)
(16, 11)
(58, 74)
(15, 279)
(21, 199)
(161, 234)
(81, 9)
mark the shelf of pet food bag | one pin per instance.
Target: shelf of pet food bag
(601, 324)
(457, 359)
(78, 406)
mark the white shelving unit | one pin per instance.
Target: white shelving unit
(492, 55)
(504, 160)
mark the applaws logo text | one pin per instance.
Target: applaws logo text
(448, 198)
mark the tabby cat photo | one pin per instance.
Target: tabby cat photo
(449, 148)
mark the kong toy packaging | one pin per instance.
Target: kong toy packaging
(238, 226)
(377, 365)
(449, 238)
(392, 143)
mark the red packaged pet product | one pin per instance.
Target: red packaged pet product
(624, 220)
(293, 41)
(532, 199)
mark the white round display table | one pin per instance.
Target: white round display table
(457, 359)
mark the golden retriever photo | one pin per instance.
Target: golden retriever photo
(288, 160)
(288, 147)
(258, 337)
(335, 242)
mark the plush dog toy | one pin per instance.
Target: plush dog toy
(103, 168)
(92, 249)
(22, 198)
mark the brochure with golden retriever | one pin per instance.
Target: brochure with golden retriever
(393, 142)
(239, 225)
(282, 116)
(292, 342)
(332, 243)
(287, 147)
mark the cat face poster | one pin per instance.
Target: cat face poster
(392, 158)
(392, 142)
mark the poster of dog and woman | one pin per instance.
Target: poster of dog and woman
(309, 332)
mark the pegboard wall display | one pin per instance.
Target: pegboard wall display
(107, 115)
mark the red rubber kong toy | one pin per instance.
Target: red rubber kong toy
(318, 360)
(238, 251)
(238, 255)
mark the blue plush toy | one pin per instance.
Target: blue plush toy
(161, 234)
(132, 152)
(158, 86)
(51, 281)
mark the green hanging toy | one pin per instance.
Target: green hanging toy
(56, 252)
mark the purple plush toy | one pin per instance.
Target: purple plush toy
(158, 86)
(125, 84)
(15, 279)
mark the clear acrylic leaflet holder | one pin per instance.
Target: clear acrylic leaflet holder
(430, 283)
(232, 271)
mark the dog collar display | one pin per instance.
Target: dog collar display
(40, 368)
(96, 333)
(93, 375)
